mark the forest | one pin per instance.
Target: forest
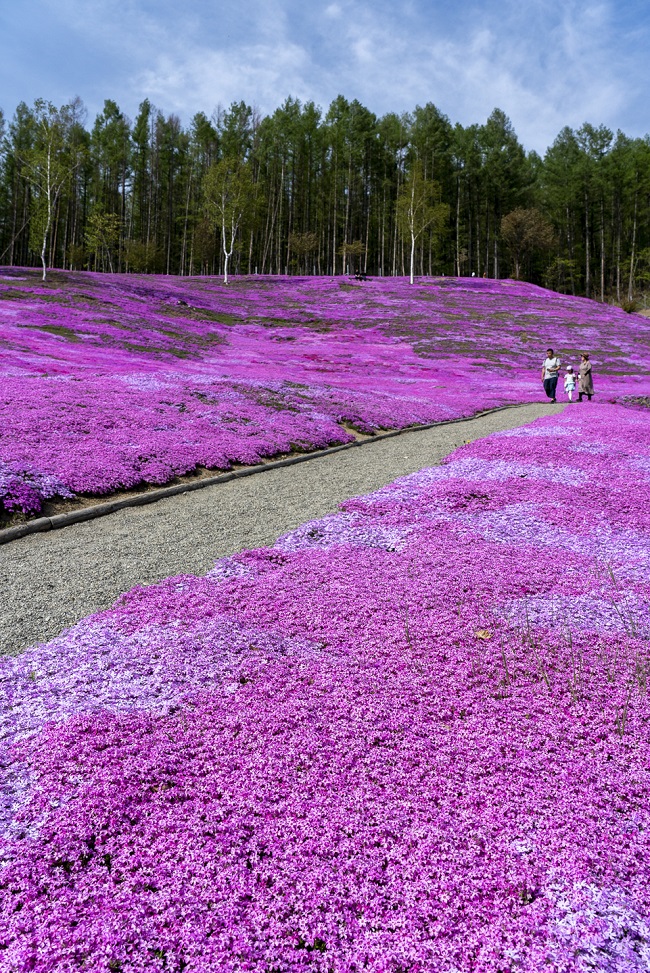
(305, 191)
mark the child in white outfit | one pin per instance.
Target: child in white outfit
(569, 382)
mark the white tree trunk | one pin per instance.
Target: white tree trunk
(43, 251)
(226, 253)
(48, 193)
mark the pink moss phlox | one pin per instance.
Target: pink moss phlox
(411, 736)
(108, 382)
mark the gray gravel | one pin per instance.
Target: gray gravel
(49, 581)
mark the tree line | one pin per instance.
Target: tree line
(302, 191)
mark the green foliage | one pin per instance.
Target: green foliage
(143, 257)
(562, 275)
(351, 252)
(525, 231)
(629, 306)
(302, 245)
(102, 237)
(204, 244)
(75, 256)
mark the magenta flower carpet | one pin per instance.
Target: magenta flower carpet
(113, 382)
(410, 737)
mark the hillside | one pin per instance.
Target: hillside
(110, 382)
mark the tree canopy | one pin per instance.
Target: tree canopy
(323, 192)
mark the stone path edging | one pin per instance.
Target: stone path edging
(102, 509)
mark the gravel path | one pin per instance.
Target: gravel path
(51, 580)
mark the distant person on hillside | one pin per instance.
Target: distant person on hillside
(585, 381)
(569, 382)
(550, 370)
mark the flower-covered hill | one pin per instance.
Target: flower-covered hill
(109, 382)
(411, 737)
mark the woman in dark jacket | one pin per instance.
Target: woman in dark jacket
(585, 380)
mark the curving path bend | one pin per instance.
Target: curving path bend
(49, 581)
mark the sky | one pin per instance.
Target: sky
(545, 63)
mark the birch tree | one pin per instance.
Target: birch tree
(49, 166)
(230, 200)
(419, 209)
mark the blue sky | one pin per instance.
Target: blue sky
(546, 63)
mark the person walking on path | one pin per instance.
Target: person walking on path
(550, 370)
(569, 382)
(585, 380)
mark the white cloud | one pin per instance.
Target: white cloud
(260, 74)
(546, 63)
